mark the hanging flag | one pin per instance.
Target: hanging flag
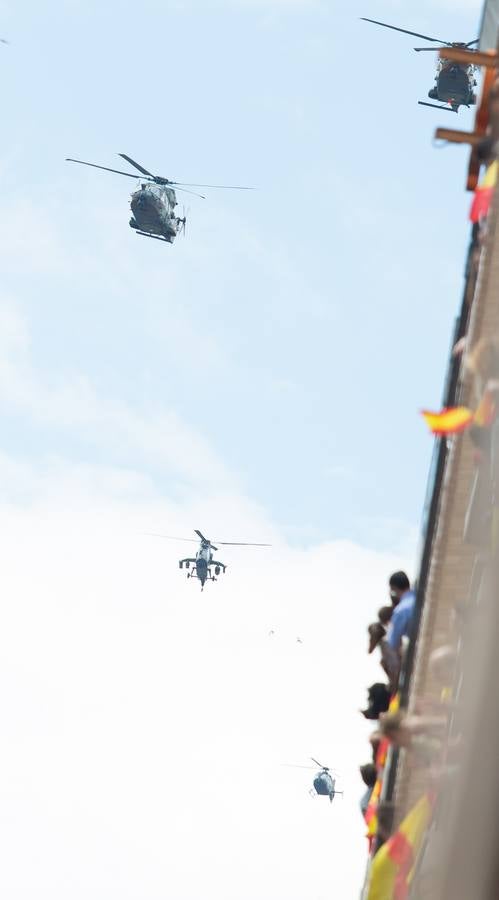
(449, 421)
(484, 193)
(392, 869)
(371, 816)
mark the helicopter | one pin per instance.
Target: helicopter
(153, 203)
(324, 784)
(203, 561)
(454, 82)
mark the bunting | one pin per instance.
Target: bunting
(484, 193)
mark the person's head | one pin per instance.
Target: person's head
(378, 700)
(376, 632)
(385, 614)
(368, 774)
(399, 584)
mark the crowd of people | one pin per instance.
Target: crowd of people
(423, 734)
(389, 635)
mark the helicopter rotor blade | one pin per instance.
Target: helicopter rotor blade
(186, 191)
(105, 168)
(241, 544)
(201, 536)
(424, 37)
(325, 768)
(470, 43)
(169, 537)
(136, 165)
(222, 187)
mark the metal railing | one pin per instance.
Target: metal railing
(431, 512)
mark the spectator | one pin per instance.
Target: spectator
(376, 634)
(369, 777)
(404, 601)
(399, 584)
(385, 614)
(390, 662)
(375, 740)
(378, 701)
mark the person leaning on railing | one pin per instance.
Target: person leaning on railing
(404, 601)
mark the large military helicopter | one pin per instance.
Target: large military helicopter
(454, 82)
(203, 561)
(324, 783)
(153, 203)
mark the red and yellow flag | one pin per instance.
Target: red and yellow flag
(371, 816)
(449, 421)
(393, 866)
(484, 193)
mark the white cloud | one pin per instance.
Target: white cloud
(143, 723)
(73, 403)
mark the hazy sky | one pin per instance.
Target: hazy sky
(259, 379)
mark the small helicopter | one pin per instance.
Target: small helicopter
(203, 561)
(324, 783)
(153, 203)
(454, 82)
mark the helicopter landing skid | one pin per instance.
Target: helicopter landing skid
(435, 106)
(155, 237)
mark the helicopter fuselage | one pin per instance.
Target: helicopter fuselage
(153, 212)
(454, 84)
(202, 564)
(324, 785)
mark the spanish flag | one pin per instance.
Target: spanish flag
(450, 421)
(393, 866)
(484, 193)
(371, 816)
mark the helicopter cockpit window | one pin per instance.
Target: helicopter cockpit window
(171, 196)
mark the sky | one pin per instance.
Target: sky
(259, 380)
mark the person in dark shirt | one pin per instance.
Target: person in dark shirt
(369, 775)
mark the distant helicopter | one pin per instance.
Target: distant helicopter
(153, 203)
(203, 562)
(454, 82)
(324, 783)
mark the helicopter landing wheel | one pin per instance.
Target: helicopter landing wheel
(433, 95)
